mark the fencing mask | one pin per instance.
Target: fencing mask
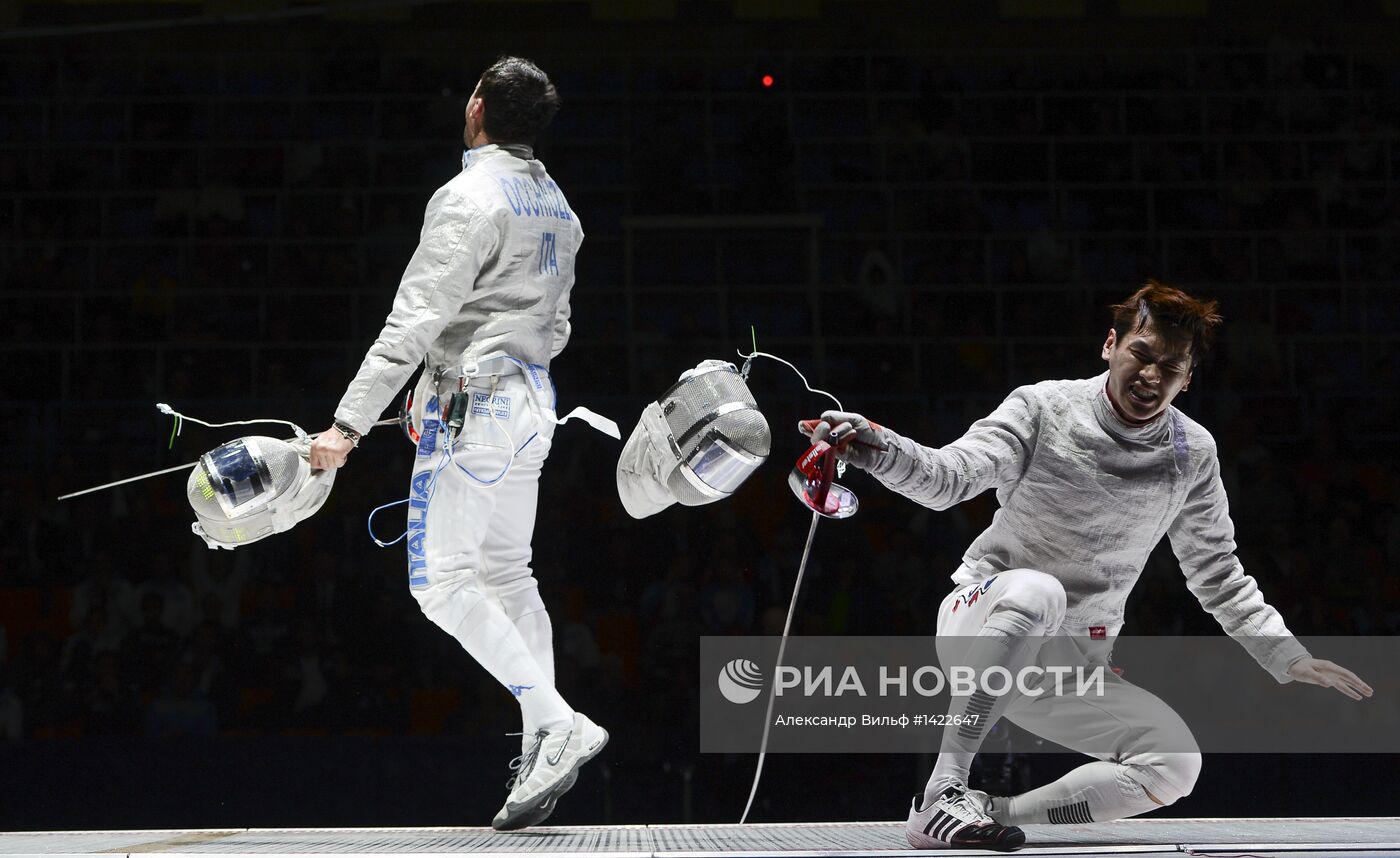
(254, 487)
(695, 444)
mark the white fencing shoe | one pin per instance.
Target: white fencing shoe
(520, 769)
(958, 818)
(547, 771)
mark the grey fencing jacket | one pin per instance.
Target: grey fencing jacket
(491, 275)
(1085, 498)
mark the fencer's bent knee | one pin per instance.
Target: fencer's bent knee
(520, 598)
(1182, 770)
(1167, 777)
(450, 600)
(1038, 598)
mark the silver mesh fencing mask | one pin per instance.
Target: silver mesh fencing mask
(695, 444)
(253, 487)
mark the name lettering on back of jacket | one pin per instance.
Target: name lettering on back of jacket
(531, 197)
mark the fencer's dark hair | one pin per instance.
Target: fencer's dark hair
(520, 100)
(1172, 312)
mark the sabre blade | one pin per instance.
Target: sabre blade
(782, 647)
(186, 466)
(129, 480)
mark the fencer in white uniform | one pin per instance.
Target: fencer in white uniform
(483, 306)
(1090, 475)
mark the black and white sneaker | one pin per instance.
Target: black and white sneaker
(958, 818)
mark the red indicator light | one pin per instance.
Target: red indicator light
(767, 81)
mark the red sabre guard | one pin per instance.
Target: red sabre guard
(812, 481)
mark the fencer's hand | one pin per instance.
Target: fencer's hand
(330, 449)
(1322, 672)
(855, 438)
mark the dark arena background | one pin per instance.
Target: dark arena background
(922, 205)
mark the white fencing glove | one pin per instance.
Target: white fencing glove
(855, 439)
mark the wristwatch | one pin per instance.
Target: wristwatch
(350, 434)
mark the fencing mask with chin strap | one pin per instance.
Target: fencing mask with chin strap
(695, 444)
(254, 487)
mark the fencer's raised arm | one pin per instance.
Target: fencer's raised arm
(457, 239)
(1203, 538)
(994, 452)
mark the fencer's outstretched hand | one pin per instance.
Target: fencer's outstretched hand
(855, 438)
(330, 449)
(1322, 672)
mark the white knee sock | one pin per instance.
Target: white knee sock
(523, 605)
(961, 740)
(489, 636)
(1095, 792)
(520, 599)
(1009, 639)
(537, 633)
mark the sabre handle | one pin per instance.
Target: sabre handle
(855, 439)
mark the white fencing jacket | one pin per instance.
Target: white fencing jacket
(1085, 498)
(491, 275)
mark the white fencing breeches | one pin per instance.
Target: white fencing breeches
(471, 519)
(1149, 756)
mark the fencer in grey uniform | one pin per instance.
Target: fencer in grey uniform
(1090, 475)
(483, 306)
